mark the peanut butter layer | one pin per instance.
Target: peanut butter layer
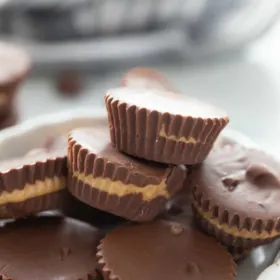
(148, 192)
(39, 188)
(234, 230)
(93, 154)
(175, 138)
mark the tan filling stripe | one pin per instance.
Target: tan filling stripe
(187, 140)
(39, 188)
(234, 230)
(148, 192)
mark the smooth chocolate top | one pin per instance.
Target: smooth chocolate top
(241, 180)
(145, 78)
(165, 102)
(48, 248)
(97, 143)
(14, 62)
(164, 250)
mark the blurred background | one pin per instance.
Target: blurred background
(225, 52)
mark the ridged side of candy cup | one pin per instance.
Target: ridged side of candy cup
(241, 219)
(161, 137)
(185, 262)
(107, 186)
(32, 184)
(248, 232)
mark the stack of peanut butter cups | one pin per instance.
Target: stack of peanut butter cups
(134, 166)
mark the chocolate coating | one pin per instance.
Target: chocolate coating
(146, 78)
(96, 141)
(91, 154)
(48, 248)
(242, 181)
(162, 126)
(163, 250)
(172, 103)
(29, 170)
(31, 206)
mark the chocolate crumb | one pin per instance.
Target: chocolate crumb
(176, 228)
(64, 253)
(230, 183)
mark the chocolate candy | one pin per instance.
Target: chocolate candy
(14, 66)
(146, 78)
(236, 194)
(111, 181)
(162, 126)
(162, 250)
(33, 183)
(48, 248)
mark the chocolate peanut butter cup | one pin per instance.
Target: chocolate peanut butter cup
(33, 183)
(162, 126)
(236, 196)
(146, 78)
(48, 248)
(108, 180)
(14, 66)
(162, 250)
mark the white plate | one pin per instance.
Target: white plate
(18, 140)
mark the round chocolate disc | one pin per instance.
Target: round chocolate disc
(162, 250)
(48, 248)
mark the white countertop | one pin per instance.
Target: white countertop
(248, 87)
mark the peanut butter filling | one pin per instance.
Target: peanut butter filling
(39, 188)
(148, 192)
(183, 139)
(234, 230)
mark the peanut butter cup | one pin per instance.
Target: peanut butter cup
(162, 250)
(147, 78)
(48, 248)
(108, 180)
(14, 66)
(33, 183)
(162, 126)
(236, 196)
